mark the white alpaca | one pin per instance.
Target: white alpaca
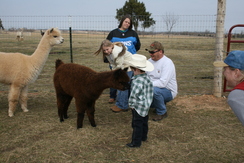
(19, 36)
(19, 70)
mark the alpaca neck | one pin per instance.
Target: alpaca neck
(39, 57)
(101, 81)
(106, 78)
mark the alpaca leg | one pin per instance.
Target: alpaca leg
(60, 107)
(90, 113)
(80, 118)
(80, 113)
(66, 103)
(23, 99)
(13, 99)
(63, 102)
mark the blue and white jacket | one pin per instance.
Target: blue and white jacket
(129, 38)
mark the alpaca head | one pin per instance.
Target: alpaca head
(121, 79)
(54, 36)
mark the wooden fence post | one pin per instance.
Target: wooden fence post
(219, 44)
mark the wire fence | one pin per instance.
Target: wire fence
(199, 23)
(190, 44)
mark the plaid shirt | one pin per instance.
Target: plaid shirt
(141, 94)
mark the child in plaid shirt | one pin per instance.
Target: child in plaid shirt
(140, 98)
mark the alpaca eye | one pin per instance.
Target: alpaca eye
(55, 36)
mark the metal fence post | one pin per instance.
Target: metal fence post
(70, 40)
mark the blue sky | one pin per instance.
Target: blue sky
(234, 8)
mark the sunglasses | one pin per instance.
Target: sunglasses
(152, 52)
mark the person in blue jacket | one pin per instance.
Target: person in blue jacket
(126, 35)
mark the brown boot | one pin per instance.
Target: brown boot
(160, 117)
(116, 109)
(111, 100)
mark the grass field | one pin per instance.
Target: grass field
(193, 56)
(199, 128)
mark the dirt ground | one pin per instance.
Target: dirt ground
(198, 102)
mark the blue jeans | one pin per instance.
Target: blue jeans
(160, 97)
(113, 93)
(123, 96)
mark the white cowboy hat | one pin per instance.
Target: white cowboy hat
(140, 61)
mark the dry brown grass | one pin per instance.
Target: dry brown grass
(193, 132)
(199, 128)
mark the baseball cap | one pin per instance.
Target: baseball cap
(155, 45)
(234, 59)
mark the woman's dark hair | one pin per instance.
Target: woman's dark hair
(123, 19)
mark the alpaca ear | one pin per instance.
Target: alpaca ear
(125, 69)
(42, 33)
(49, 31)
(117, 73)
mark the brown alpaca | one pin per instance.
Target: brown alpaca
(19, 70)
(85, 85)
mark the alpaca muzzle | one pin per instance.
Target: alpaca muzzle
(61, 41)
(126, 85)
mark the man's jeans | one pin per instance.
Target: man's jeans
(160, 97)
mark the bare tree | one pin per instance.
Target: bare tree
(170, 21)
